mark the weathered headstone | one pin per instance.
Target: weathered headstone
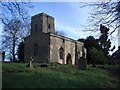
(82, 63)
(30, 63)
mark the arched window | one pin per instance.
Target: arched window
(35, 49)
(48, 26)
(61, 53)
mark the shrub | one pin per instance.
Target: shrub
(98, 56)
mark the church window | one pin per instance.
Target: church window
(61, 53)
(63, 40)
(48, 26)
(35, 49)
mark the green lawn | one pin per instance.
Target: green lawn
(17, 75)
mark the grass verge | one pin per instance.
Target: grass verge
(17, 75)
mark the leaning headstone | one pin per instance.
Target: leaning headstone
(30, 63)
(31, 59)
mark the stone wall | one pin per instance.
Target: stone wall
(42, 40)
(36, 23)
(70, 49)
(48, 23)
(56, 42)
(42, 23)
(44, 46)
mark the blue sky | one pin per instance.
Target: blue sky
(68, 17)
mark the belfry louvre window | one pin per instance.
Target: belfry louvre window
(35, 49)
(61, 53)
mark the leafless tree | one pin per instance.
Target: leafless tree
(14, 9)
(11, 36)
(61, 33)
(16, 23)
(105, 12)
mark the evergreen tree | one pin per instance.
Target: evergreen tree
(89, 43)
(104, 42)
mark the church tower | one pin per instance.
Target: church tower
(42, 23)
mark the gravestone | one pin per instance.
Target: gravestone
(82, 63)
(30, 63)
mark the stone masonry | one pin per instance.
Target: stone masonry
(44, 46)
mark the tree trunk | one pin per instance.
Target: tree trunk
(13, 49)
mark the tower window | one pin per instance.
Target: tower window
(35, 49)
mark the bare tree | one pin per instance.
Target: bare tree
(105, 12)
(61, 33)
(16, 23)
(14, 9)
(11, 36)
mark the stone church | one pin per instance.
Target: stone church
(44, 46)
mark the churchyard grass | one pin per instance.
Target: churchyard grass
(17, 75)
